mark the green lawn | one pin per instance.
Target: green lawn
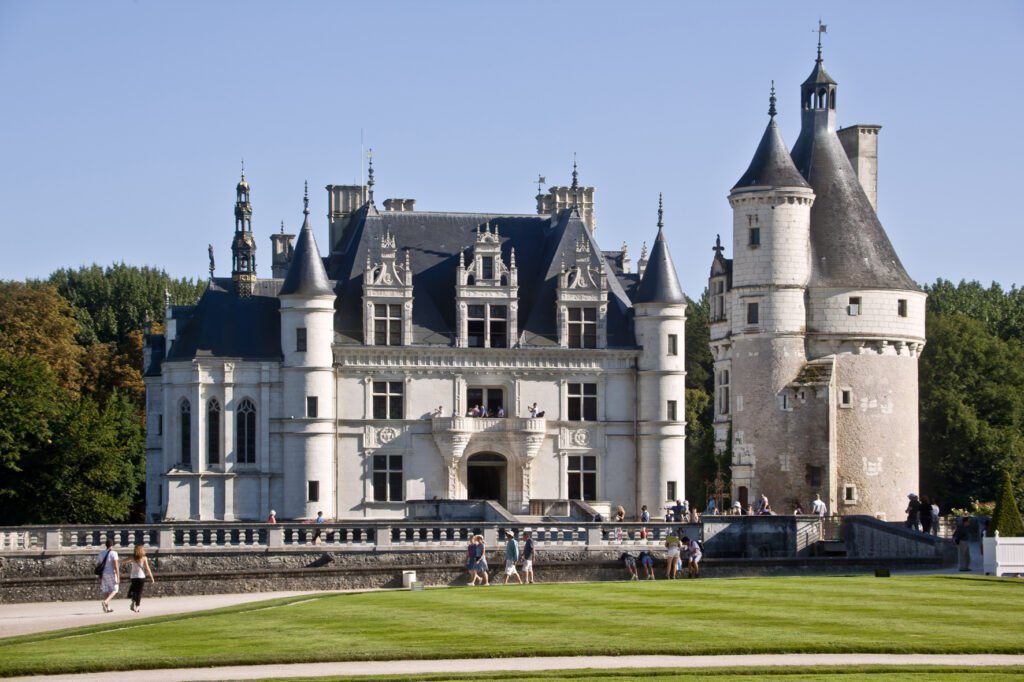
(921, 614)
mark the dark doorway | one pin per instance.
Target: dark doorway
(743, 495)
(486, 477)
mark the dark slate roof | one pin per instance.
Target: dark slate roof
(660, 284)
(849, 246)
(225, 324)
(306, 275)
(819, 74)
(772, 166)
(434, 241)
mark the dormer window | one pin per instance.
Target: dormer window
(487, 294)
(387, 297)
(583, 301)
(582, 327)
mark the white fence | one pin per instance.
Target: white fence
(1003, 555)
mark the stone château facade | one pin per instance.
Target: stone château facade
(816, 328)
(343, 384)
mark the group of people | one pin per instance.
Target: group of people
(476, 559)
(108, 568)
(676, 549)
(922, 514)
(483, 411)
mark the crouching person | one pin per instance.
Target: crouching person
(694, 555)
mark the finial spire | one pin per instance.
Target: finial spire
(305, 199)
(282, 227)
(369, 179)
(822, 28)
(243, 168)
(540, 184)
(718, 248)
(661, 212)
(209, 251)
(771, 102)
(575, 183)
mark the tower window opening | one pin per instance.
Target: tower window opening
(901, 307)
(673, 344)
(846, 398)
(755, 236)
(753, 313)
(813, 476)
(854, 308)
(300, 340)
(312, 407)
(723, 392)
(313, 491)
(849, 493)
(672, 411)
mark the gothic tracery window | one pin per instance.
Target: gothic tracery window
(245, 432)
(185, 419)
(213, 432)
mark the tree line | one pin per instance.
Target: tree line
(72, 399)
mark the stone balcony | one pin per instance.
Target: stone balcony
(473, 425)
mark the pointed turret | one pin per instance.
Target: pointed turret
(306, 275)
(772, 166)
(660, 284)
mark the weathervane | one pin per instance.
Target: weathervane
(822, 28)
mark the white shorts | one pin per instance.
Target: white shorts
(510, 568)
(527, 565)
(696, 558)
(672, 552)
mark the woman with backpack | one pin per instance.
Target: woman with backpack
(109, 571)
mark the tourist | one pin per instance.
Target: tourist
(272, 519)
(913, 512)
(671, 556)
(694, 516)
(647, 564)
(529, 554)
(475, 412)
(798, 510)
(765, 507)
(678, 511)
(484, 412)
(629, 561)
(750, 510)
(481, 561)
(645, 516)
(139, 570)
(439, 412)
(736, 509)
(926, 515)
(962, 540)
(935, 517)
(712, 507)
(320, 520)
(511, 557)
(109, 570)
(620, 513)
(818, 507)
(471, 558)
(533, 410)
(668, 514)
(693, 556)
(501, 412)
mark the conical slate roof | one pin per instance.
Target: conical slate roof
(818, 73)
(306, 274)
(660, 284)
(772, 166)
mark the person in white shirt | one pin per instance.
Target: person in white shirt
(818, 507)
(109, 572)
(138, 573)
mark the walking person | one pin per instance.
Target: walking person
(511, 557)
(471, 558)
(818, 507)
(671, 556)
(962, 540)
(529, 554)
(138, 573)
(481, 562)
(913, 513)
(926, 515)
(935, 517)
(108, 569)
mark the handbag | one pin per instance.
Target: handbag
(100, 566)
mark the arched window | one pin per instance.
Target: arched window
(185, 419)
(245, 433)
(213, 432)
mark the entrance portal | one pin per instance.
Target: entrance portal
(487, 477)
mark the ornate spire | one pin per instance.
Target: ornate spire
(822, 28)
(575, 183)
(661, 212)
(282, 227)
(771, 102)
(369, 174)
(305, 199)
(718, 248)
(209, 251)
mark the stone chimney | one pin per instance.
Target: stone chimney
(400, 205)
(281, 255)
(860, 142)
(559, 198)
(342, 202)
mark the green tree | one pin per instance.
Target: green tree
(1006, 518)
(1002, 312)
(701, 461)
(92, 470)
(971, 409)
(36, 322)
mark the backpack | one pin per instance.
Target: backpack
(101, 565)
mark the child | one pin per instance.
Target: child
(630, 562)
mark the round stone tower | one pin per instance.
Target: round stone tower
(660, 324)
(308, 385)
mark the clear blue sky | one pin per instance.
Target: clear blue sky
(123, 123)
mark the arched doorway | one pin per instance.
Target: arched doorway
(487, 477)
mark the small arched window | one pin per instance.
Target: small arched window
(213, 432)
(245, 433)
(185, 423)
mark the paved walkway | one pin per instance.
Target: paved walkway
(24, 619)
(519, 665)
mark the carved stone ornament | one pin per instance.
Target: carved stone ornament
(387, 434)
(581, 438)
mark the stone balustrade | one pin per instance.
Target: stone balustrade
(489, 424)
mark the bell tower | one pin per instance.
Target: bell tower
(243, 246)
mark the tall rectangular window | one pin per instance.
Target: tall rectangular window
(718, 300)
(670, 490)
(476, 326)
(491, 399)
(487, 267)
(387, 400)
(901, 307)
(213, 432)
(854, 308)
(497, 326)
(723, 391)
(582, 327)
(311, 406)
(582, 477)
(671, 411)
(813, 476)
(673, 344)
(312, 491)
(583, 402)
(755, 236)
(300, 340)
(185, 422)
(387, 478)
(387, 324)
(753, 313)
(159, 425)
